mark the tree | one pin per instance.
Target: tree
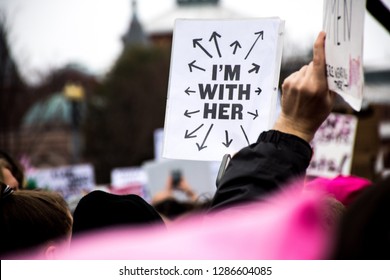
(127, 108)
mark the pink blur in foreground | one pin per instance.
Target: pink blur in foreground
(288, 225)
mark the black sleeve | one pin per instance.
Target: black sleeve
(262, 167)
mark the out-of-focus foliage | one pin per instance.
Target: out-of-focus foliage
(126, 109)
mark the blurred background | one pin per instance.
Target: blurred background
(83, 87)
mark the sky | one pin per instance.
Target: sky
(48, 34)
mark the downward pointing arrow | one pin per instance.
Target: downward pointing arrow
(190, 135)
(201, 147)
(227, 144)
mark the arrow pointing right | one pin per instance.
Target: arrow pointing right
(255, 68)
(258, 91)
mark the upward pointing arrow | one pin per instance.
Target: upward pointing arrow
(236, 45)
(195, 42)
(214, 37)
(261, 34)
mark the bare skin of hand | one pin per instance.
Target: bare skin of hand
(306, 99)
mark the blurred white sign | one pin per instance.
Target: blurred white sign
(333, 146)
(343, 22)
(67, 180)
(129, 180)
(223, 86)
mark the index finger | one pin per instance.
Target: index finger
(319, 54)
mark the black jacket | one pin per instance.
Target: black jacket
(261, 168)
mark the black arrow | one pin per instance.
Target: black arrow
(236, 45)
(258, 91)
(201, 147)
(187, 114)
(195, 43)
(214, 37)
(189, 135)
(261, 34)
(243, 131)
(188, 91)
(254, 114)
(227, 144)
(193, 65)
(255, 68)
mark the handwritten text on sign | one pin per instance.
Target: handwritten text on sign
(333, 146)
(344, 26)
(67, 180)
(223, 86)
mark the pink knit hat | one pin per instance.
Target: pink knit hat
(343, 188)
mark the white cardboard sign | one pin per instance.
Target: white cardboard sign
(67, 180)
(333, 146)
(223, 86)
(343, 22)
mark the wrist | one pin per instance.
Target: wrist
(288, 126)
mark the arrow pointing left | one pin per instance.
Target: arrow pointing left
(188, 91)
(188, 114)
(192, 65)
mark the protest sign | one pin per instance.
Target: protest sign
(343, 22)
(68, 180)
(333, 146)
(223, 86)
(129, 180)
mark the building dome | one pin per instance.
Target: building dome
(55, 110)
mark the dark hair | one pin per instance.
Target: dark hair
(31, 218)
(13, 166)
(99, 209)
(365, 227)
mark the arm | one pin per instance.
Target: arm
(282, 153)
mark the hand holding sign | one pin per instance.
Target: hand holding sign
(306, 99)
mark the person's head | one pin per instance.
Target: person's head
(11, 171)
(6, 175)
(36, 220)
(99, 209)
(365, 227)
